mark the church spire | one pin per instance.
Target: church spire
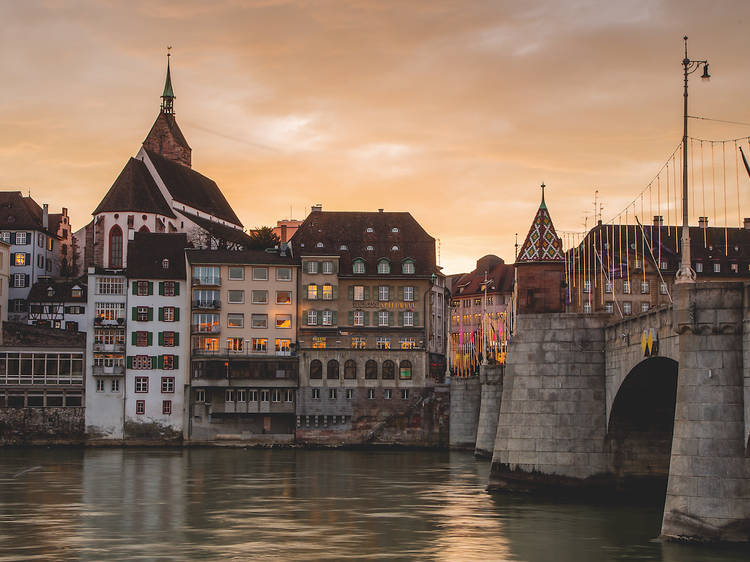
(543, 205)
(167, 98)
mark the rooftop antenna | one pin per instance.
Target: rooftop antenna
(516, 246)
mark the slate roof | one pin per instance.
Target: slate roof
(239, 257)
(499, 274)
(134, 190)
(167, 120)
(147, 250)
(221, 231)
(192, 188)
(332, 229)
(62, 291)
(19, 212)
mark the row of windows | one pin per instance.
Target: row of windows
(626, 287)
(333, 394)
(380, 318)
(166, 407)
(251, 395)
(209, 323)
(237, 345)
(146, 362)
(609, 306)
(477, 301)
(146, 313)
(384, 266)
(388, 370)
(143, 338)
(56, 309)
(146, 288)
(211, 275)
(211, 298)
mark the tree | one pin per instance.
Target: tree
(262, 238)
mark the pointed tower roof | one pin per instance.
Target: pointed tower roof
(542, 243)
(167, 97)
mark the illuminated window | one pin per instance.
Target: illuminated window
(20, 258)
(408, 343)
(235, 344)
(327, 292)
(359, 293)
(283, 345)
(312, 292)
(260, 345)
(359, 342)
(383, 342)
(319, 342)
(284, 297)
(283, 320)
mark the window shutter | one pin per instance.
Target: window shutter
(177, 338)
(150, 338)
(28, 259)
(176, 288)
(129, 361)
(320, 292)
(351, 292)
(391, 292)
(26, 280)
(305, 289)
(13, 259)
(335, 267)
(12, 237)
(320, 267)
(335, 317)
(150, 313)
(176, 314)
(135, 287)
(134, 338)
(134, 313)
(367, 293)
(400, 293)
(161, 338)
(160, 361)
(416, 293)
(351, 318)
(400, 318)
(161, 314)
(304, 317)
(150, 287)
(161, 288)
(335, 291)
(176, 363)
(416, 318)
(390, 318)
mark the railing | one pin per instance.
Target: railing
(203, 329)
(99, 321)
(110, 347)
(211, 281)
(113, 370)
(207, 304)
(48, 379)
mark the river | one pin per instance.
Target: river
(157, 504)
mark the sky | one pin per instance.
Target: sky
(455, 111)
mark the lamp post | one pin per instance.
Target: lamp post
(686, 274)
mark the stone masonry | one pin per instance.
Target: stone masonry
(491, 379)
(464, 412)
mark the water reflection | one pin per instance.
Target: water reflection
(125, 504)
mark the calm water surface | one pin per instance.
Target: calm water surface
(130, 504)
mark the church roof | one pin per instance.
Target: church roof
(187, 186)
(135, 190)
(542, 243)
(221, 231)
(167, 122)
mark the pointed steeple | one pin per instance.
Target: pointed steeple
(167, 97)
(543, 205)
(542, 243)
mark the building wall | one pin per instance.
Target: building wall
(4, 283)
(39, 260)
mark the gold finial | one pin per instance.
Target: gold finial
(169, 49)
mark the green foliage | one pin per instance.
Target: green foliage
(262, 238)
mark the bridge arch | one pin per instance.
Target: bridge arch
(641, 424)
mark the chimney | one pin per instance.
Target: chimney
(747, 223)
(45, 216)
(658, 220)
(316, 208)
(380, 210)
(703, 222)
(283, 233)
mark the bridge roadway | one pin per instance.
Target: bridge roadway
(583, 406)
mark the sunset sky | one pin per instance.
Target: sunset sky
(454, 111)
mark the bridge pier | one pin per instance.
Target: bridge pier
(491, 379)
(708, 493)
(464, 412)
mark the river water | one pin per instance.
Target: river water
(157, 504)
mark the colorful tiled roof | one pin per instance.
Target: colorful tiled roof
(542, 243)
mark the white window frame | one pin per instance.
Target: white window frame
(260, 274)
(408, 294)
(383, 318)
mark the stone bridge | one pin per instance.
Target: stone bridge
(584, 407)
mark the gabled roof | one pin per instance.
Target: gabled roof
(499, 277)
(221, 231)
(19, 334)
(61, 291)
(187, 186)
(147, 251)
(259, 257)
(135, 190)
(17, 211)
(323, 233)
(167, 122)
(542, 243)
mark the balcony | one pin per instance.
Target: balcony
(229, 353)
(101, 321)
(207, 304)
(208, 281)
(109, 347)
(205, 328)
(102, 370)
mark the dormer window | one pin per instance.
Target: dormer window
(76, 292)
(407, 267)
(394, 229)
(165, 263)
(394, 249)
(343, 247)
(370, 229)
(50, 291)
(384, 267)
(319, 245)
(370, 249)
(358, 266)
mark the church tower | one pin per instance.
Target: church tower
(540, 267)
(165, 137)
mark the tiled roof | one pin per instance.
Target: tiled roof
(134, 190)
(542, 243)
(62, 291)
(166, 120)
(192, 188)
(221, 231)
(17, 211)
(18, 334)
(238, 257)
(147, 251)
(324, 233)
(499, 274)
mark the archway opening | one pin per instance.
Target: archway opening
(641, 423)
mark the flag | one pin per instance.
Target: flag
(744, 161)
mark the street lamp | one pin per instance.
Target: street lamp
(686, 274)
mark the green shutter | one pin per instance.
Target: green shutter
(367, 293)
(400, 318)
(416, 318)
(320, 267)
(161, 314)
(304, 317)
(176, 362)
(335, 291)
(134, 338)
(150, 287)
(176, 314)
(320, 292)
(161, 288)
(335, 267)
(335, 317)
(160, 361)
(134, 312)
(150, 313)
(390, 318)
(351, 318)
(135, 287)
(351, 292)
(391, 292)
(416, 293)
(161, 338)
(129, 362)
(400, 293)
(150, 338)
(177, 288)
(177, 338)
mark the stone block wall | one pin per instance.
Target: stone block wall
(491, 380)
(466, 394)
(552, 416)
(22, 426)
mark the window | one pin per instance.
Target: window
(394, 229)
(285, 297)
(332, 394)
(200, 395)
(387, 393)
(371, 370)
(283, 320)
(587, 286)
(100, 385)
(235, 344)
(264, 395)
(609, 307)
(236, 296)
(734, 268)
(312, 292)
(358, 266)
(350, 369)
(587, 308)
(370, 248)
(168, 362)
(202, 343)
(359, 342)
(289, 396)
(206, 323)
(349, 393)
(358, 318)
(142, 338)
(371, 394)
(260, 274)
(315, 394)
(394, 248)
(389, 370)
(236, 273)
(644, 287)
(404, 369)
(260, 345)
(408, 267)
(283, 345)
(327, 267)
(327, 318)
(143, 313)
(283, 273)
(259, 320)
(369, 229)
(343, 247)
(140, 407)
(608, 287)
(252, 396)
(115, 385)
(384, 267)
(115, 247)
(168, 314)
(404, 394)
(236, 320)
(76, 292)
(644, 307)
(383, 318)
(698, 267)
(276, 396)
(166, 407)
(319, 245)
(169, 288)
(717, 267)
(229, 396)
(312, 267)
(22, 238)
(165, 263)
(627, 308)
(316, 369)
(408, 294)
(319, 342)
(408, 318)
(20, 258)
(665, 265)
(312, 317)
(20, 280)
(141, 384)
(259, 297)
(626, 287)
(327, 292)
(332, 369)
(408, 343)
(383, 342)
(167, 385)
(383, 293)
(206, 275)
(662, 288)
(358, 293)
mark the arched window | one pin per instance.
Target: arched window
(384, 266)
(407, 266)
(333, 369)
(350, 369)
(316, 369)
(404, 369)
(165, 263)
(115, 247)
(358, 266)
(371, 369)
(389, 369)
